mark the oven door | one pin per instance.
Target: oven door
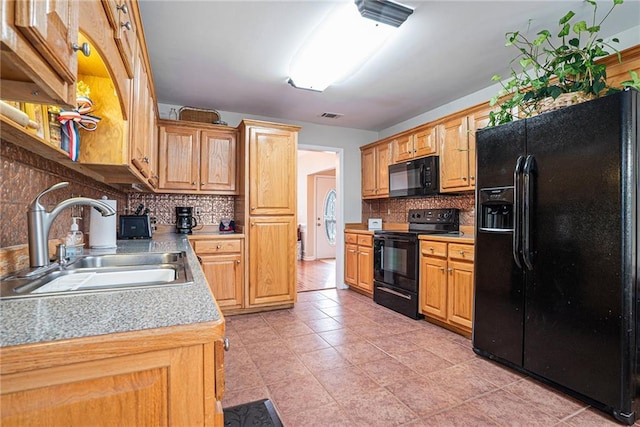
(395, 260)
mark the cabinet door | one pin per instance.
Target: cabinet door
(425, 142)
(52, 28)
(178, 159)
(433, 287)
(477, 121)
(403, 148)
(369, 172)
(224, 274)
(218, 161)
(365, 268)
(454, 155)
(383, 160)
(272, 171)
(461, 294)
(351, 264)
(139, 131)
(125, 35)
(272, 264)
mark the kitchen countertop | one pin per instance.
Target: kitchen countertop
(52, 318)
(449, 238)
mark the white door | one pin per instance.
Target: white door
(325, 216)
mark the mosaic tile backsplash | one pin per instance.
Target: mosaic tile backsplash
(24, 175)
(163, 206)
(397, 210)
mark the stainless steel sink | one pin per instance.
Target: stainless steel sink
(96, 273)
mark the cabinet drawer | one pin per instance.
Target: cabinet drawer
(429, 248)
(217, 246)
(351, 238)
(365, 240)
(461, 252)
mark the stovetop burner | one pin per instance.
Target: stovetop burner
(430, 221)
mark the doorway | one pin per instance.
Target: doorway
(320, 218)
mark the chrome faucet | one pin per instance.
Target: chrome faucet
(39, 222)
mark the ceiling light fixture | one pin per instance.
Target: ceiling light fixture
(344, 41)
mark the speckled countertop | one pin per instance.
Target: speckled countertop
(51, 318)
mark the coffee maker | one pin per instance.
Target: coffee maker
(185, 220)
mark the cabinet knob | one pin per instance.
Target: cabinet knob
(219, 247)
(464, 178)
(123, 7)
(431, 248)
(225, 344)
(85, 48)
(126, 25)
(145, 159)
(441, 268)
(472, 177)
(253, 208)
(193, 183)
(450, 270)
(462, 253)
(237, 261)
(253, 224)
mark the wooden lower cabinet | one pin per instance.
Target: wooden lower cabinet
(446, 284)
(272, 260)
(222, 262)
(158, 377)
(358, 268)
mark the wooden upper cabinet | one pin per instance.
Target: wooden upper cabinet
(179, 158)
(454, 155)
(218, 158)
(198, 159)
(421, 142)
(272, 171)
(402, 148)
(38, 63)
(124, 30)
(375, 170)
(425, 142)
(52, 28)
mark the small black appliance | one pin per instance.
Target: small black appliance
(185, 220)
(416, 178)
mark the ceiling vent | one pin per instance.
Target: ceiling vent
(331, 115)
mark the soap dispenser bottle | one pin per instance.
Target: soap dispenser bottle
(74, 240)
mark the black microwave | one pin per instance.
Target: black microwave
(419, 177)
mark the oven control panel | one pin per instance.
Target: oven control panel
(434, 216)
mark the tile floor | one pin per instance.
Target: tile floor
(338, 359)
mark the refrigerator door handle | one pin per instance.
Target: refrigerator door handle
(517, 174)
(529, 170)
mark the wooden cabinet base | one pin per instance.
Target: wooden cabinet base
(235, 311)
(452, 328)
(168, 376)
(361, 291)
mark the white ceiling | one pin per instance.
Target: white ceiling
(234, 55)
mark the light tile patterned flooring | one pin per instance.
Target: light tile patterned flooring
(339, 359)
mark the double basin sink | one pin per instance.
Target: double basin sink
(95, 273)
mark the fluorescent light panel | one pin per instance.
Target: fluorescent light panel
(342, 43)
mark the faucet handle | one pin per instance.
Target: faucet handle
(61, 254)
(36, 202)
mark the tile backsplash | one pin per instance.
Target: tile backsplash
(162, 206)
(397, 210)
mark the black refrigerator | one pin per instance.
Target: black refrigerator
(556, 265)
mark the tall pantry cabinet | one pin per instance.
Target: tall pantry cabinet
(266, 207)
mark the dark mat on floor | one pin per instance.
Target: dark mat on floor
(259, 413)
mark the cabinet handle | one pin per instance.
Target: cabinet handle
(253, 208)
(450, 270)
(126, 25)
(462, 253)
(237, 261)
(193, 183)
(225, 344)
(253, 224)
(123, 7)
(431, 249)
(202, 183)
(464, 178)
(441, 268)
(219, 247)
(85, 48)
(145, 159)
(472, 177)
